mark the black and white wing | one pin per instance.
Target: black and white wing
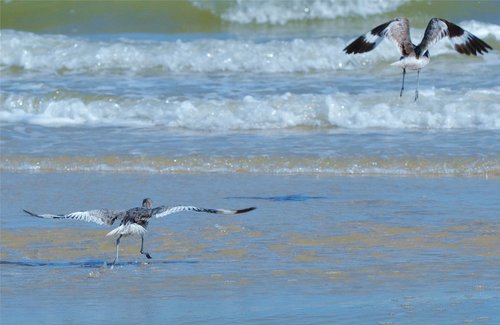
(463, 41)
(100, 217)
(397, 31)
(165, 211)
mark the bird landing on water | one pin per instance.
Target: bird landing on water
(133, 222)
(415, 57)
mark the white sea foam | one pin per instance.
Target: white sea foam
(482, 30)
(268, 164)
(56, 53)
(436, 109)
(281, 12)
(63, 54)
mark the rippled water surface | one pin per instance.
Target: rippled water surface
(328, 249)
(371, 208)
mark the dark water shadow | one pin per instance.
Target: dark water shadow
(90, 264)
(279, 198)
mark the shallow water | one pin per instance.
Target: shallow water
(371, 208)
(317, 249)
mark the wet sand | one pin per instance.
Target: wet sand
(317, 250)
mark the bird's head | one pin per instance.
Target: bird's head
(147, 203)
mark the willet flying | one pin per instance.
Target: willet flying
(415, 57)
(133, 221)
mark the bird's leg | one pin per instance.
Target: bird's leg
(142, 248)
(117, 246)
(416, 91)
(403, 83)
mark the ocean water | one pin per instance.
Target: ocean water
(372, 208)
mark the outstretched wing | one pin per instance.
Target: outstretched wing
(100, 217)
(165, 211)
(463, 41)
(397, 30)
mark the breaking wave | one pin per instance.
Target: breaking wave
(282, 12)
(436, 109)
(60, 54)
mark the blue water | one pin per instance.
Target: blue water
(371, 208)
(353, 249)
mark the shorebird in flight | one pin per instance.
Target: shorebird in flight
(415, 57)
(133, 222)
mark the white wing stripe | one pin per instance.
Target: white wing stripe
(164, 211)
(370, 38)
(88, 216)
(398, 32)
(100, 217)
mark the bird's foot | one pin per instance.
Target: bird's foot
(147, 255)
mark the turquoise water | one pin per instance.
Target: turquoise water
(371, 208)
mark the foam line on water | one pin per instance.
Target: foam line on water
(436, 109)
(60, 54)
(270, 165)
(282, 12)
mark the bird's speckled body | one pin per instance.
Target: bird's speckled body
(133, 221)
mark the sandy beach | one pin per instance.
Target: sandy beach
(321, 249)
(372, 208)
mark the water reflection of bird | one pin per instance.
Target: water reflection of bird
(133, 221)
(415, 57)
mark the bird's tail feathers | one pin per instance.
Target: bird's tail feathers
(131, 229)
